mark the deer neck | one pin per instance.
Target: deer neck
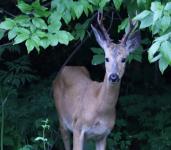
(109, 93)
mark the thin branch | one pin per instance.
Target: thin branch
(47, 4)
(8, 13)
(74, 52)
(6, 44)
(119, 16)
(78, 47)
(109, 17)
(110, 22)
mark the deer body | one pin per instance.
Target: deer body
(86, 107)
(83, 94)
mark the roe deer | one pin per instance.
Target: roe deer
(86, 107)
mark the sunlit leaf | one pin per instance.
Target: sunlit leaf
(165, 49)
(7, 24)
(168, 6)
(142, 15)
(30, 45)
(117, 4)
(20, 38)
(64, 37)
(165, 23)
(153, 49)
(78, 9)
(39, 23)
(147, 21)
(24, 7)
(163, 64)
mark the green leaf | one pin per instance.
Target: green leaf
(64, 37)
(165, 23)
(123, 25)
(103, 3)
(12, 34)
(143, 4)
(36, 39)
(66, 16)
(153, 49)
(20, 38)
(97, 50)
(157, 9)
(147, 21)
(142, 15)
(156, 6)
(44, 42)
(39, 10)
(94, 2)
(53, 39)
(7, 24)
(41, 139)
(23, 20)
(2, 32)
(155, 58)
(163, 64)
(39, 23)
(165, 49)
(168, 6)
(55, 16)
(30, 44)
(24, 7)
(22, 30)
(163, 37)
(78, 9)
(155, 28)
(54, 27)
(98, 59)
(41, 34)
(117, 4)
(86, 6)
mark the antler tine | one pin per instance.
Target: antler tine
(101, 26)
(99, 17)
(132, 29)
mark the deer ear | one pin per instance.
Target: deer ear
(133, 41)
(100, 37)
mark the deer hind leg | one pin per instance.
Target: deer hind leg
(101, 144)
(65, 137)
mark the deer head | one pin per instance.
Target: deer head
(116, 54)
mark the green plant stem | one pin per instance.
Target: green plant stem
(2, 123)
(44, 146)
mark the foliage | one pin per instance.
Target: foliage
(38, 26)
(158, 19)
(143, 122)
(45, 126)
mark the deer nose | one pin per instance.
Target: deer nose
(114, 77)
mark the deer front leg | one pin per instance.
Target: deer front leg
(65, 137)
(78, 140)
(101, 144)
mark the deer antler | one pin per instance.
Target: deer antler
(131, 30)
(101, 26)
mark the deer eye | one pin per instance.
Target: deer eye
(123, 60)
(107, 59)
